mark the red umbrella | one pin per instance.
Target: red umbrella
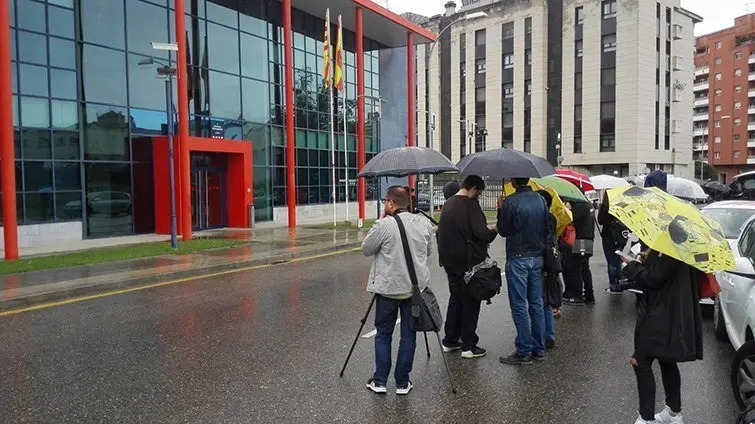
(578, 179)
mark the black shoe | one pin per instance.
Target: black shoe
(589, 298)
(475, 352)
(550, 344)
(516, 359)
(539, 358)
(574, 301)
(614, 291)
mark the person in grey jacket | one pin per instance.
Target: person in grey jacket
(389, 280)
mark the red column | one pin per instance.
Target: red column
(184, 170)
(360, 110)
(410, 93)
(288, 47)
(7, 156)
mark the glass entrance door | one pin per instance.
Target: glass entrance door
(208, 198)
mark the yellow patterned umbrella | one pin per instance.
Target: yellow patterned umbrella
(672, 226)
(558, 208)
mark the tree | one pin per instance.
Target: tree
(709, 171)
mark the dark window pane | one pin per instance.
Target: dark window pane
(61, 22)
(221, 11)
(108, 189)
(148, 122)
(144, 198)
(223, 49)
(19, 176)
(64, 114)
(67, 206)
(66, 145)
(146, 23)
(13, 53)
(38, 207)
(102, 23)
(252, 18)
(35, 112)
(254, 57)
(31, 15)
(146, 90)
(225, 95)
(37, 176)
(32, 48)
(104, 75)
(256, 101)
(63, 84)
(67, 176)
(105, 133)
(33, 80)
(62, 53)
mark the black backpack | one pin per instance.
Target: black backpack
(485, 283)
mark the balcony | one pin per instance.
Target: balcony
(702, 101)
(751, 126)
(699, 131)
(751, 92)
(703, 71)
(700, 147)
(751, 110)
(700, 117)
(751, 142)
(751, 160)
(701, 86)
(751, 59)
(751, 76)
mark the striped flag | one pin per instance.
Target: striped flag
(338, 74)
(326, 50)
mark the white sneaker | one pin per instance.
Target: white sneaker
(404, 390)
(641, 421)
(665, 417)
(377, 388)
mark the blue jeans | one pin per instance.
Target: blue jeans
(386, 312)
(550, 323)
(524, 277)
(614, 263)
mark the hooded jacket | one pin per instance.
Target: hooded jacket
(656, 178)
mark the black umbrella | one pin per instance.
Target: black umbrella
(403, 161)
(505, 163)
(716, 186)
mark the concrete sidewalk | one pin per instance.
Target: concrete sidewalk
(266, 246)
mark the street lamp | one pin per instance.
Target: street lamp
(168, 72)
(431, 116)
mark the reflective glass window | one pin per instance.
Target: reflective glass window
(33, 80)
(63, 3)
(32, 48)
(37, 176)
(67, 176)
(223, 48)
(63, 84)
(102, 22)
(148, 121)
(104, 75)
(12, 10)
(146, 90)
(68, 206)
(146, 23)
(64, 114)
(108, 194)
(36, 144)
(222, 12)
(225, 95)
(66, 145)
(256, 100)
(35, 112)
(31, 15)
(62, 53)
(61, 22)
(253, 24)
(39, 207)
(15, 110)
(13, 53)
(105, 133)
(254, 57)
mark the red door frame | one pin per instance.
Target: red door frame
(238, 187)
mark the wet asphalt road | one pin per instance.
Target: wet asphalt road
(266, 346)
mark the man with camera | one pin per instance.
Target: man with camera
(390, 281)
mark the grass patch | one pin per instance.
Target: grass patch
(111, 254)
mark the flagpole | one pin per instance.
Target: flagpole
(345, 132)
(332, 125)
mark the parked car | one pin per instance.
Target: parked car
(734, 313)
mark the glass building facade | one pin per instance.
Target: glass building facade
(85, 111)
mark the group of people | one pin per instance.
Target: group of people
(668, 326)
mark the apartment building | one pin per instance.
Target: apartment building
(724, 104)
(602, 86)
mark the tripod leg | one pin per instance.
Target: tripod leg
(445, 362)
(427, 345)
(363, 320)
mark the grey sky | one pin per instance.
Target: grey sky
(717, 14)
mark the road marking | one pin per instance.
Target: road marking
(164, 283)
(372, 333)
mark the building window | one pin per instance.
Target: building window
(508, 30)
(718, 44)
(737, 137)
(508, 91)
(579, 50)
(718, 108)
(717, 124)
(717, 92)
(738, 55)
(577, 113)
(577, 144)
(480, 66)
(738, 89)
(718, 60)
(717, 155)
(607, 143)
(609, 9)
(580, 14)
(479, 37)
(736, 154)
(737, 121)
(528, 87)
(508, 61)
(528, 56)
(737, 72)
(609, 43)
(718, 76)
(717, 140)
(737, 105)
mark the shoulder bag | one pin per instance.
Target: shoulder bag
(426, 314)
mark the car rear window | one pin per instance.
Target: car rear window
(731, 219)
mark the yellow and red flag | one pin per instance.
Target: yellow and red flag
(326, 50)
(338, 74)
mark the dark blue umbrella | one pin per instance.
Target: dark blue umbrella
(505, 164)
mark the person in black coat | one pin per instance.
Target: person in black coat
(577, 274)
(551, 281)
(668, 329)
(614, 237)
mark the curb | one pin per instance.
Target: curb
(104, 287)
